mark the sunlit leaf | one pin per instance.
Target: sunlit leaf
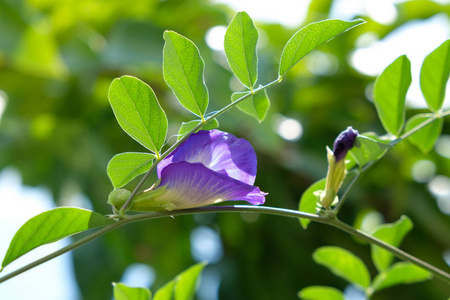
(390, 94)
(320, 293)
(368, 148)
(425, 138)
(183, 70)
(308, 201)
(51, 226)
(186, 282)
(123, 292)
(166, 292)
(343, 264)
(434, 76)
(138, 112)
(240, 48)
(183, 286)
(400, 273)
(188, 126)
(392, 234)
(310, 37)
(124, 167)
(257, 105)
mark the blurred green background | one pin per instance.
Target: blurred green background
(57, 59)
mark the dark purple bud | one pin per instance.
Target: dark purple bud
(344, 142)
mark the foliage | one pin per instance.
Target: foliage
(68, 140)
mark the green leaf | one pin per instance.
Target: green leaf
(183, 285)
(188, 126)
(434, 76)
(183, 70)
(186, 282)
(256, 105)
(138, 112)
(123, 292)
(368, 147)
(392, 234)
(240, 48)
(343, 264)
(166, 292)
(400, 273)
(308, 201)
(320, 293)
(124, 167)
(390, 93)
(51, 226)
(310, 37)
(425, 138)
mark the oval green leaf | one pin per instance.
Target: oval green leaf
(343, 264)
(186, 282)
(183, 70)
(123, 292)
(434, 75)
(188, 126)
(138, 112)
(308, 201)
(400, 273)
(390, 93)
(51, 226)
(240, 48)
(310, 37)
(368, 147)
(426, 137)
(392, 234)
(320, 293)
(257, 105)
(124, 167)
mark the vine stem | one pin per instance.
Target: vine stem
(329, 220)
(203, 121)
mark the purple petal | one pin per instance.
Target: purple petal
(344, 142)
(193, 185)
(219, 151)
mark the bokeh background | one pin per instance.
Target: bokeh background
(57, 134)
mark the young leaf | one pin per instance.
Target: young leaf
(166, 292)
(51, 226)
(320, 293)
(368, 147)
(392, 234)
(123, 292)
(434, 76)
(240, 48)
(183, 71)
(343, 264)
(308, 201)
(400, 273)
(186, 282)
(124, 167)
(425, 138)
(256, 105)
(390, 94)
(138, 112)
(310, 37)
(188, 126)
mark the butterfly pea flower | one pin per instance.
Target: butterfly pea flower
(336, 167)
(209, 167)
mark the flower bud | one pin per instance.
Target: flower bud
(118, 197)
(344, 142)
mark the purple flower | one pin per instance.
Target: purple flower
(344, 142)
(209, 167)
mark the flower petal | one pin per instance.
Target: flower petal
(192, 185)
(219, 151)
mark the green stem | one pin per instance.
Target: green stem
(129, 201)
(239, 209)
